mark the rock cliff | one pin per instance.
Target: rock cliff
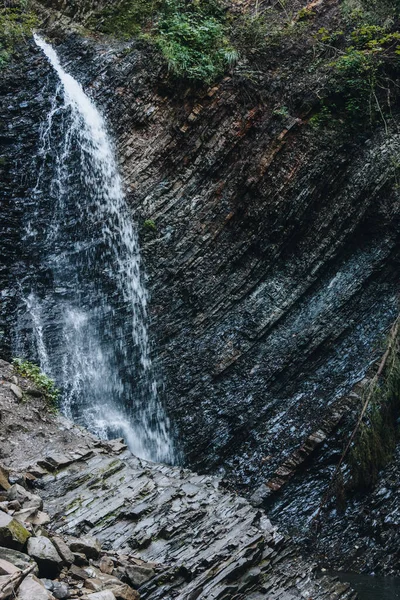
(273, 266)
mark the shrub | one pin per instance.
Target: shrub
(16, 23)
(377, 436)
(40, 380)
(191, 36)
(194, 45)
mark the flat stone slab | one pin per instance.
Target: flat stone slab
(210, 543)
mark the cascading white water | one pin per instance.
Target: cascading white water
(87, 306)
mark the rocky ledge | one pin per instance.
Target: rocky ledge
(80, 517)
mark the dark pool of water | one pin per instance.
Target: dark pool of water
(370, 587)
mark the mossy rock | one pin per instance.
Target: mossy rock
(12, 533)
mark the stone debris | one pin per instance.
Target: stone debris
(16, 390)
(114, 527)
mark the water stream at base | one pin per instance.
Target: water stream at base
(369, 587)
(82, 309)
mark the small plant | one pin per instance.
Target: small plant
(41, 381)
(322, 118)
(305, 14)
(149, 225)
(282, 111)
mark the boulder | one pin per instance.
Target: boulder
(63, 550)
(12, 533)
(87, 545)
(60, 590)
(137, 575)
(78, 573)
(32, 589)
(46, 556)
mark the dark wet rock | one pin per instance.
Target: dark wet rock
(60, 590)
(12, 533)
(43, 551)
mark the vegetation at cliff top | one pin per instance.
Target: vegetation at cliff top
(16, 24)
(39, 379)
(191, 36)
(362, 61)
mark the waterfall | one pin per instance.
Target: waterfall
(84, 304)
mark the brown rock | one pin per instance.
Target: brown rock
(32, 589)
(124, 592)
(106, 565)
(4, 483)
(78, 573)
(7, 568)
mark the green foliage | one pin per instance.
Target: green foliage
(376, 440)
(16, 24)
(362, 83)
(40, 380)
(191, 36)
(305, 14)
(149, 225)
(251, 34)
(194, 45)
(323, 117)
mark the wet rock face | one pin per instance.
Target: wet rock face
(272, 271)
(273, 267)
(22, 108)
